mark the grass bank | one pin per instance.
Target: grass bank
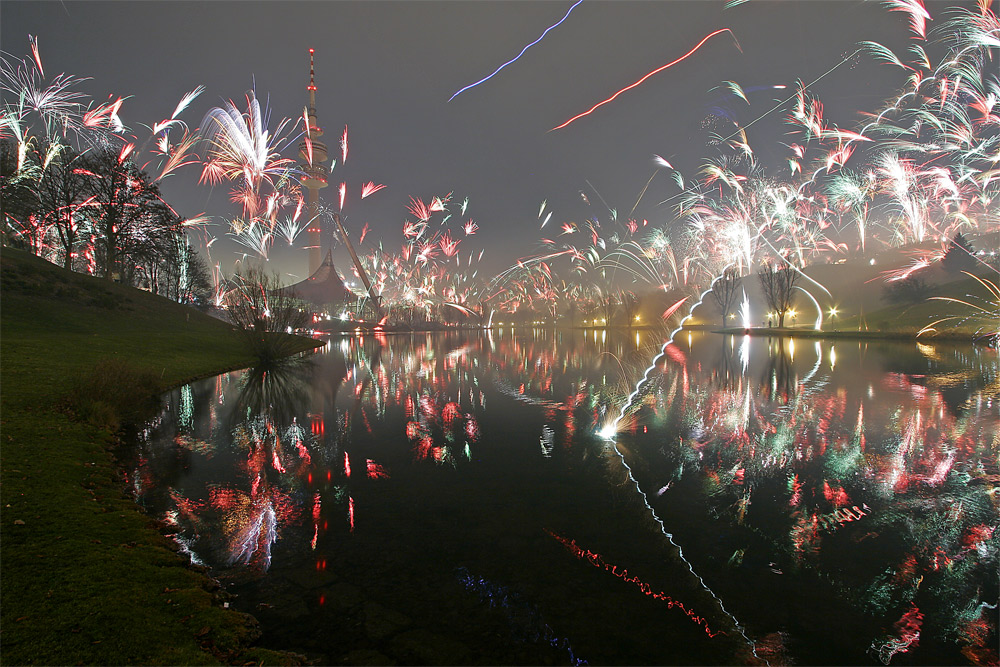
(965, 310)
(86, 577)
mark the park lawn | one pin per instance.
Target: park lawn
(86, 577)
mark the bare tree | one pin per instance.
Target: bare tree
(607, 305)
(62, 199)
(18, 199)
(777, 281)
(630, 306)
(264, 312)
(131, 221)
(725, 290)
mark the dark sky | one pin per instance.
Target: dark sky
(387, 70)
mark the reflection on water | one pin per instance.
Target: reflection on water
(444, 499)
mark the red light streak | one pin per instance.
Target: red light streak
(276, 462)
(304, 454)
(598, 561)
(655, 71)
(908, 629)
(375, 471)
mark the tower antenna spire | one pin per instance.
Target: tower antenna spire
(312, 80)
(313, 157)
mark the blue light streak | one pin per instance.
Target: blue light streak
(472, 85)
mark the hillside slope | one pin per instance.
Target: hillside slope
(86, 577)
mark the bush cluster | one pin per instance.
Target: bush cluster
(114, 393)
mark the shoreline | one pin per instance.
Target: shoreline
(88, 577)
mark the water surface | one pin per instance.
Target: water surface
(445, 498)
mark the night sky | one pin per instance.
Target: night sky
(388, 69)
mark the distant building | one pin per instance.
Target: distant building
(323, 289)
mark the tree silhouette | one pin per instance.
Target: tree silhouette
(630, 306)
(264, 312)
(18, 200)
(959, 255)
(725, 289)
(778, 284)
(62, 195)
(130, 219)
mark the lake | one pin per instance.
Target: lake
(511, 497)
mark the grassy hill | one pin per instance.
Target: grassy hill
(964, 308)
(86, 577)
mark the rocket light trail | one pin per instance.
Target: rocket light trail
(655, 71)
(597, 560)
(609, 430)
(554, 25)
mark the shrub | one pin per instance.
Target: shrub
(264, 313)
(114, 393)
(906, 291)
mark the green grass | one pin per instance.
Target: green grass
(907, 319)
(86, 576)
(973, 320)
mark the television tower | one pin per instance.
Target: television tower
(313, 156)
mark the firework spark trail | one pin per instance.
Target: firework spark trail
(975, 35)
(655, 71)
(472, 85)
(370, 188)
(608, 432)
(597, 560)
(58, 106)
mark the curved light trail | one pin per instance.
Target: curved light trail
(487, 78)
(655, 71)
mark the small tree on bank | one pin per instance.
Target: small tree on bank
(725, 290)
(264, 313)
(777, 282)
(959, 256)
(630, 306)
